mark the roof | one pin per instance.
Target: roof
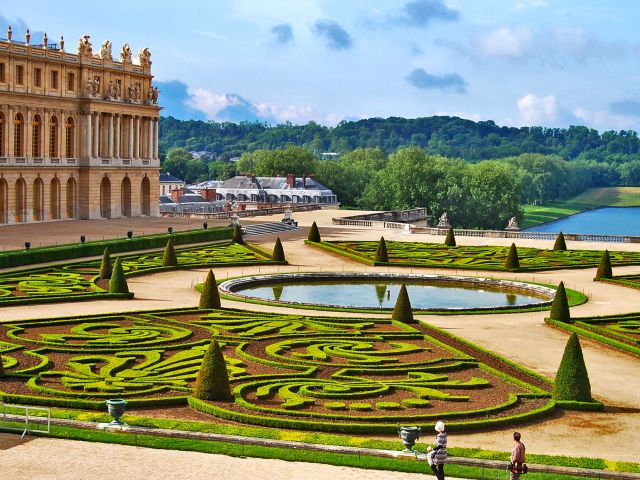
(168, 178)
(270, 183)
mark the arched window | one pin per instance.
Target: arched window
(36, 137)
(69, 146)
(4, 192)
(21, 200)
(38, 200)
(105, 198)
(125, 197)
(53, 138)
(145, 197)
(71, 198)
(2, 154)
(54, 199)
(18, 136)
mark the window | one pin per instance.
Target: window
(54, 79)
(18, 127)
(37, 77)
(69, 153)
(53, 138)
(36, 128)
(1, 135)
(71, 81)
(19, 75)
(2, 72)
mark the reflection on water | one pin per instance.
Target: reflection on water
(375, 294)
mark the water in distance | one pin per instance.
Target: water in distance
(601, 221)
(381, 294)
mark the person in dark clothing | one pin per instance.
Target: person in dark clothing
(439, 452)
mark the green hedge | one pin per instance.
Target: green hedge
(16, 258)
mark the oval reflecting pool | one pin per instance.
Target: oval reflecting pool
(380, 291)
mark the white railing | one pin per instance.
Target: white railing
(12, 415)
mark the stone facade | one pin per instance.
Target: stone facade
(78, 132)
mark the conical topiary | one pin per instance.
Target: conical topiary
(314, 233)
(381, 252)
(560, 306)
(169, 258)
(450, 241)
(105, 265)
(210, 297)
(572, 380)
(118, 282)
(402, 311)
(278, 251)
(512, 262)
(560, 244)
(604, 269)
(237, 235)
(212, 382)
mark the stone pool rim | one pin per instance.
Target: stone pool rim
(228, 289)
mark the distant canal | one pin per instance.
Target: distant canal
(601, 221)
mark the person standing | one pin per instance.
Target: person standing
(517, 457)
(439, 452)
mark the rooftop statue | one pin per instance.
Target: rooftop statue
(84, 46)
(125, 53)
(144, 57)
(105, 51)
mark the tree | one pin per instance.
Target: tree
(572, 380)
(560, 306)
(314, 233)
(381, 252)
(210, 296)
(176, 162)
(604, 268)
(237, 235)
(118, 282)
(512, 262)
(402, 310)
(212, 382)
(560, 244)
(169, 258)
(450, 241)
(105, 265)
(278, 251)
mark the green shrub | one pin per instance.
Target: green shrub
(1, 367)
(572, 379)
(604, 268)
(359, 406)
(210, 297)
(402, 310)
(105, 265)
(560, 306)
(512, 262)
(278, 251)
(314, 233)
(237, 235)
(169, 258)
(450, 241)
(212, 382)
(118, 283)
(560, 244)
(381, 252)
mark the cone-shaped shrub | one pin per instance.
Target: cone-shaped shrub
(169, 259)
(210, 297)
(314, 233)
(105, 265)
(560, 306)
(118, 283)
(450, 241)
(560, 244)
(402, 311)
(237, 235)
(572, 380)
(381, 252)
(604, 269)
(512, 262)
(278, 251)
(212, 382)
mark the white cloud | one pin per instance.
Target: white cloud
(504, 42)
(525, 4)
(476, 117)
(604, 120)
(536, 110)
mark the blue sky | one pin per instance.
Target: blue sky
(519, 62)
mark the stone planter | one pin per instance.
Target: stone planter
(116, 408)
(409, 435)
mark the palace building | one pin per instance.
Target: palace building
(78, 132)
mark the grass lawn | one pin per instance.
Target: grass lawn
(592, 198)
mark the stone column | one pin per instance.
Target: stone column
(88, 149)
(137, 146)
(62, 137)
(96, 136)
(130, 131)
(150, 147)
(110, 135)
(8, 132)
(155, 138)
(117, 146)
(28, 125)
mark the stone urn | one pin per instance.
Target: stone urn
(116, 408)
(409, 436)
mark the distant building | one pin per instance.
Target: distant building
(252, 189)
(168, 183)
